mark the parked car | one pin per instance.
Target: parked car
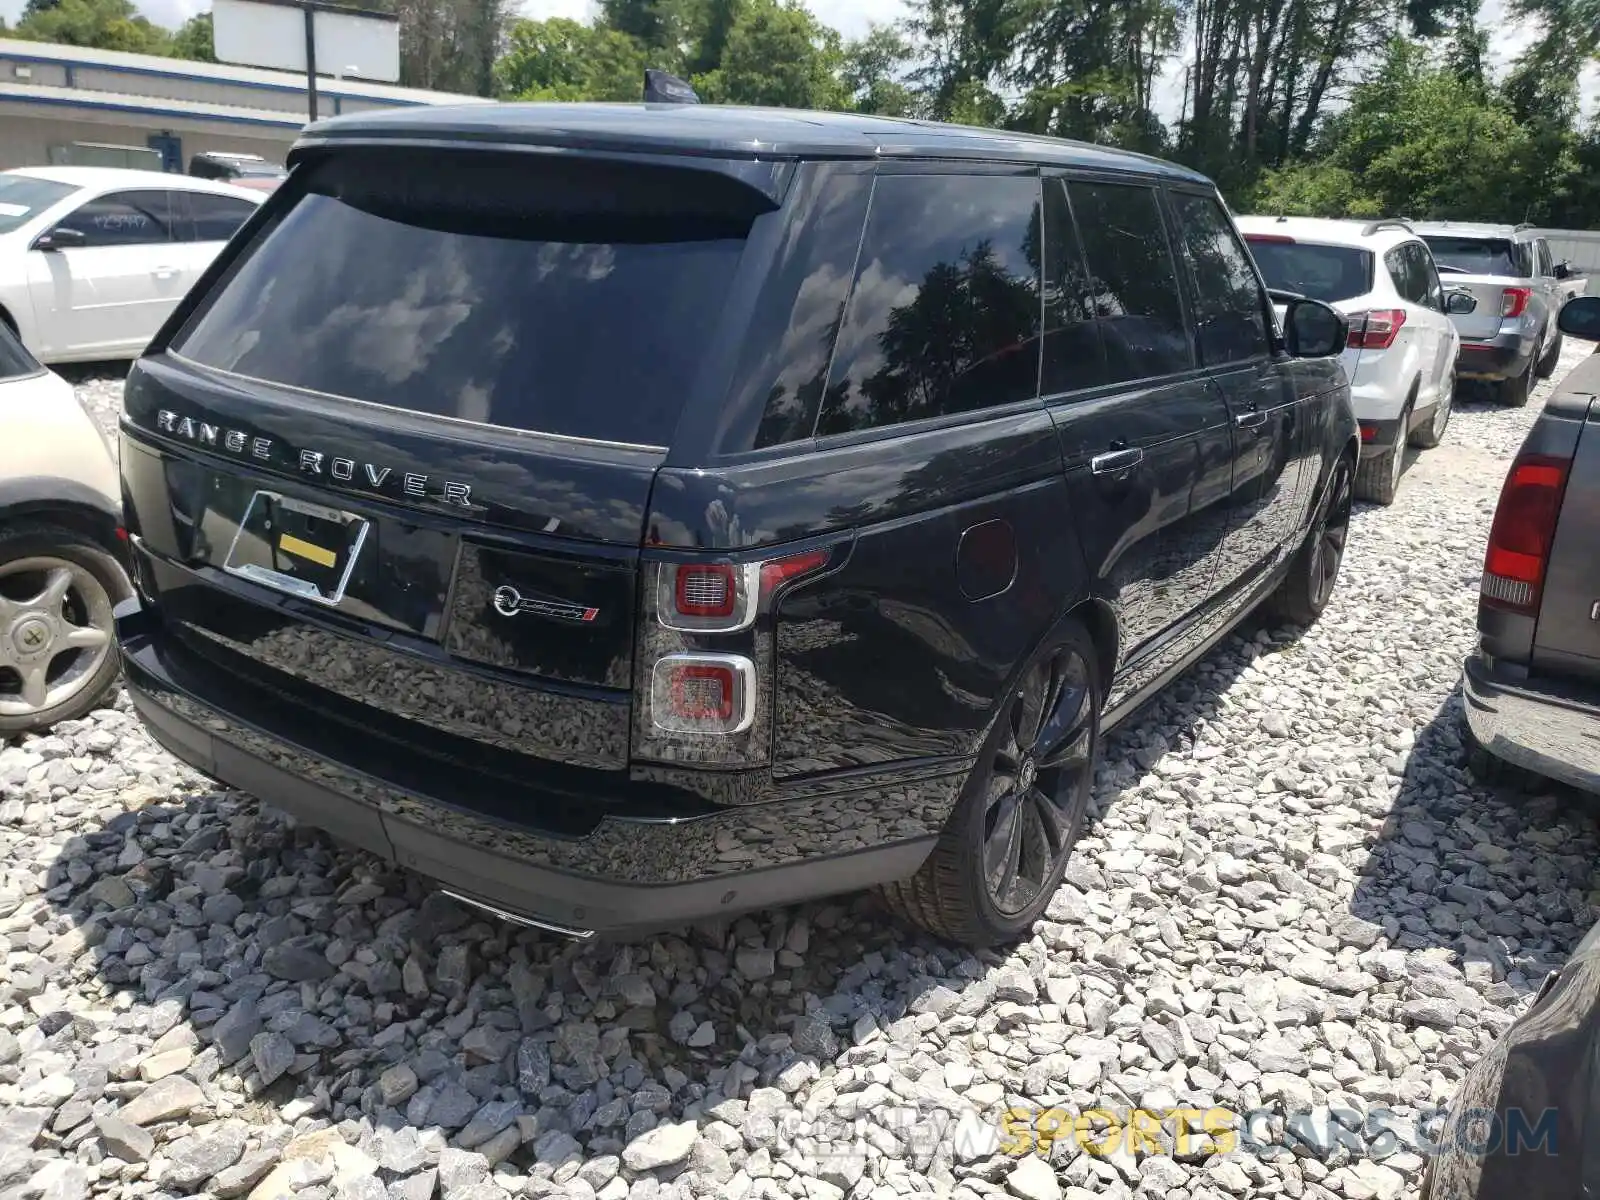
(1402, 350)
(1524, 1117)
(1511, 337)
(242, 170)
(1532, 688)
(92, 259)
(62, 549)
(625, 540)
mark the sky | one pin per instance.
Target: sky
(853, 17)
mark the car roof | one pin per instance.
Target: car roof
(1329, 231)
(106, 177)
(1474, 229)
(723, 131)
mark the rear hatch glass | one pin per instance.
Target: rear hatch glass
(575, 299)
(1326, 273)
(1456, 255)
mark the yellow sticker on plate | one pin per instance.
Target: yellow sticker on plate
(290, 544)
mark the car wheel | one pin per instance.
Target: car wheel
(1552, 356)
(1514, 392)
(1307, 588)
(1431, 434)
(1000, 858)
(1378, 477)
(58, 653)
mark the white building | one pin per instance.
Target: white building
(52, 97)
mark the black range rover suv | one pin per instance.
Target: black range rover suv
(629, 514)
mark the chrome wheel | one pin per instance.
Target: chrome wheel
(55, 633)
(1038, 786)
(1327, 546)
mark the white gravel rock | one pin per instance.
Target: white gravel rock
(1292, 897)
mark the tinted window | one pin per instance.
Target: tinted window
(1475, 255)
(1073, 357)
(1230, 316)
(578, 300)
(15, 361)
(1326, 273)
(944, 314)
(133, 218)
(1542, 248)
(1132, 279)
(217, 217)
(1402, 270)
(1427, 276)
(22, 198)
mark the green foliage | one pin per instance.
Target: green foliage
(101, 24)
(560, 59)
(777, 54)
(194, 40)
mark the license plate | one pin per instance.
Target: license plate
(293, 546)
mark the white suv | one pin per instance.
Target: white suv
(1401, 357)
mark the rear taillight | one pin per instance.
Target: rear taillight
(705, 660)
(1368, 432)
(703, 693)
(1523, 530)
(1375, 330)
(1514, 301)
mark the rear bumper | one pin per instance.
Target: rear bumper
(1505, 356)
(1543, 728)
(627, 874)
(1385, 434)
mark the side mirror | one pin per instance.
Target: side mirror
(1312, 329)
(1459, 304)
(60, 238)
(1563, 270)
(1580, 318)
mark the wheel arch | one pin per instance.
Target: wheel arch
(72, 507)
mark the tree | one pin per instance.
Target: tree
(451, 45)
(560, 59)
(100, 24)
(778, 54)
(873, 73)
(194, 41)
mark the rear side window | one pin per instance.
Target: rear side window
(131, 218)
(1132, 280)
(1326, 273)
(1409, 281)
(216, 218)
(577, 298)
(1230, 316)
(944, 314)
(1477, 255)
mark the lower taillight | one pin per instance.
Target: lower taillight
(703, 693)
(1368, 432)
(1375, 330)
(1524, 529)
(1514, 301)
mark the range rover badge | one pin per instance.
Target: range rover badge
(508, 602)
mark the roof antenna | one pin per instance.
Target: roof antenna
(662, 88)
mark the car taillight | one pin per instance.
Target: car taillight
(1514, 301)
(1368, 432)
(704, 664)
(1523, 530)
(703, 693)
(1375, 330)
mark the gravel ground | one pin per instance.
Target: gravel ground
(1294, 899)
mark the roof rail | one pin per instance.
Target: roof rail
(1372, 227)
(1521, 225)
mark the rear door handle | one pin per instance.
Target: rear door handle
(1116, 462)
(1250, 420)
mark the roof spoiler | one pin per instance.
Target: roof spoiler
(1372, 227)
(662, 88)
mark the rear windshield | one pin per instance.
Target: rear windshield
(22, 198)
(1475, 256)
(1326, 273)
(574, 298)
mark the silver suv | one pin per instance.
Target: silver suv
(1511, 336)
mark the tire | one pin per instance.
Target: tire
(1431, 434)
(55, 585)
(1314, 570)
(1513, 393)
(1378, 477)
(1032, 781)
(1552, 357)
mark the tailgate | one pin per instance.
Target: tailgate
(1483, 322)
(1567, 640)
